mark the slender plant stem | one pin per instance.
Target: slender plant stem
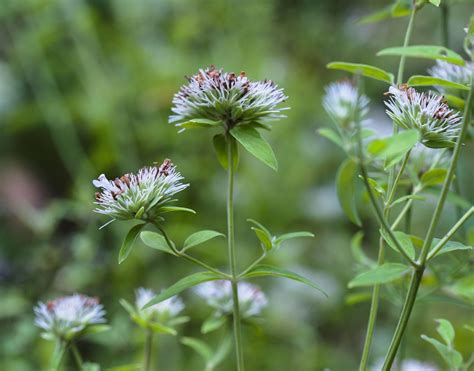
(148, 350)
(252, 265)
(450, 234)
(189, 257)
(396, 181)
(58, 355)
(231, 252)
(418, 273)
(76, 355)
(391, 188)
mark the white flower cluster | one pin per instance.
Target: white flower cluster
(232, 99)
(167, 309)
(218, 294)
(138, 195)
(344, 104)
(438, 124)
(68, 316)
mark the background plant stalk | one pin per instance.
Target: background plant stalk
(231, 252)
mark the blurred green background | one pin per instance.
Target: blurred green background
(86, 88)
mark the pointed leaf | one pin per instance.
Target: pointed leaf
(289, 236)
(393, 148)
(129, 242)
(363, 69)
(419, 80)
(128, 307)
(200, 237)
(452, 357)
(357, 252)
(199, 123)
(378, 275)
(259, 225)
(332, 135)
(220, 147)
(346, 189)
(156, 241)
(213, 323)
(403, 239)
(433, 177)
(253, 142)
(168, 209)
(446, 331)
(450, 246)
(199, 346)
(160, 328)
(268, 270)
(263, 237)
(221, 353)
(424, 51)
(183, 284)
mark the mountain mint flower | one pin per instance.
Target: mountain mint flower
(438, 124)
(69, 316)
(138, 195)
(167, 309)
(452, 72)
(344, 104)
(218, 294)
(225, 98)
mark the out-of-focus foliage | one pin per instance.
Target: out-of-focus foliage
(86, 88)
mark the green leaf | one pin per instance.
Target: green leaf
(95, 329)
(221, 353)
(168, 209)
(433, 177)
(213, 323)
(129, 242)
(156, 241)
(454, 101)
(357, 252)
(435, 2)
(393, 148)
(346, 189)
(288, 236)
(419, 80)
(446, 331)
(183, 284)
(403, 239)
(199, 123)
(452, 357)
(253, 142)
(363, 69)
(464, 287)
(332, 135)
(259, 225)
(377, 16)
(263, 238)
(401, 8)
(220, 146)
(424, 51)
(268, 270)
(384, 273)
(128, 307)
(450, 246)
(160, 328)
(200, 237)
(408, 197)
(199, 346)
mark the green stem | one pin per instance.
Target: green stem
(231, 252)
(393, 190)
(189, 257)
(76, 355)
(58, 355)
(417, 275)
(401, 66)
(148, 350)
(450, 234)
(252, 265)
(381, 255)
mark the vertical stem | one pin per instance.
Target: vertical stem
(58, 355)
(381, 255)
(418, 273)
(76, 355)
(231, 252)
(148, 350)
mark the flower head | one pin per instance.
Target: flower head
(218, 294)
(437, 124)
(138, 195)
(452, 72)
(227, 99)
(344, 104)
(167, 309)
(68, 316)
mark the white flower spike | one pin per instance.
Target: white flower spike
(227, 99)
(438, 124)
(68, 316)
(138, 196)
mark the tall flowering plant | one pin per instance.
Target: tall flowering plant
(420, 156)
(238, 109)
